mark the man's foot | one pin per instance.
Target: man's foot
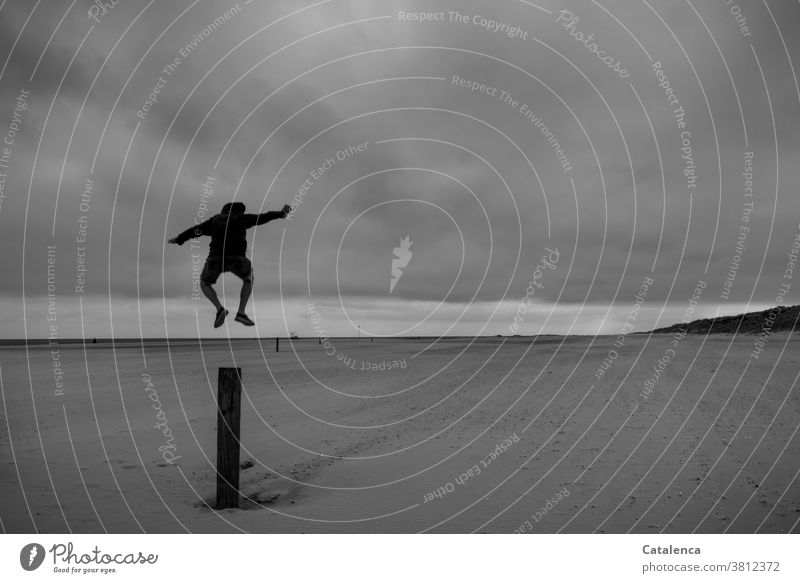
(220, 319)
(242, 318)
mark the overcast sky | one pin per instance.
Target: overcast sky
(263, 94)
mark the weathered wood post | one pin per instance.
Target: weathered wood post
(228, 415)
(277, 344)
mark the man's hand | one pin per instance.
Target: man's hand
(286, 210)
(174, 241)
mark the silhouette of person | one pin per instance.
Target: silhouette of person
(228, 252)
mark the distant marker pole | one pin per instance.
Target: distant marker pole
(277, 344)
(229, 400)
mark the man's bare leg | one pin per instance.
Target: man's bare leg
(208, 291)
(244, 296)
(247, 288)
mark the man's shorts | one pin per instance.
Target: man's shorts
(215, 266)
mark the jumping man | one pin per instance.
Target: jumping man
(227, 252)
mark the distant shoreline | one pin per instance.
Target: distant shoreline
(127, 341)
(62, 341)
(780, 318)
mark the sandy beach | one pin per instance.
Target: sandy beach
(489, 435)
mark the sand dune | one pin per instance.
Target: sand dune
(775, 319)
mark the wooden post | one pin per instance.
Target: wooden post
(228, 416)
(277, 344)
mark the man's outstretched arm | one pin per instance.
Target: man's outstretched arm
(253, 220)
(203, 228)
